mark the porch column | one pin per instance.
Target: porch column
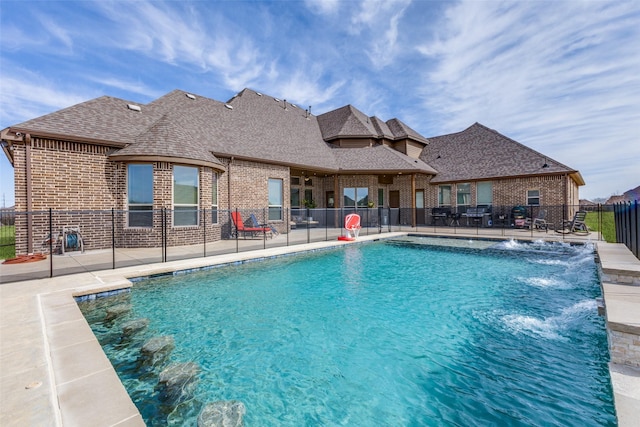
(413, 200)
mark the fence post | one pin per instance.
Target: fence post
(634, 223)
(113, 239)
(265, 221)
(51, 243)
(163, 219)
(236, 228)
(204, 232)
(326, 224)
(308, 225)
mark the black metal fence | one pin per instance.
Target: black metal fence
(90, 240)
(628, 225)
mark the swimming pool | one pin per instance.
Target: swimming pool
(389, 333)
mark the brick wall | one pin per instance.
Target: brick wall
(82, 185)
(74, 179)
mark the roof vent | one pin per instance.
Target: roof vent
(258, 93)
(190, 96)
(276, 99)
(134, 107)
(230, 107)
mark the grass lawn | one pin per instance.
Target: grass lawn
(608, 225)
(7, 241)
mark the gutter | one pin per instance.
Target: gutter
(27, 142)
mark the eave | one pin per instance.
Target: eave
(575, 175)
(6, 136)
(169, 159)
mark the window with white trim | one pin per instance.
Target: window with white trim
(444, 195)
(275, 199)
(214, 199)
(185, 195)
(464, 194)
(533, 197)
(355, 197)
(484, 193)
(140, 195)
(419, 199)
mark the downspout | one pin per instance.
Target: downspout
(336, 200)
(566, 190)
(27, 142)
(229, 184)
(413, 200)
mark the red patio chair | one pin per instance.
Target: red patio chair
(241, 228)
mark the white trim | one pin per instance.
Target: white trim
(173, 203)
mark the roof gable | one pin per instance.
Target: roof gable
(401, 131)
(344, 122)
(479, 153)
(169, 138)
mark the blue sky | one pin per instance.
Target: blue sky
(562, 77)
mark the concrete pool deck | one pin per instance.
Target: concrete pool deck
(54, 372)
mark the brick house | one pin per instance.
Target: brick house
(199, 158)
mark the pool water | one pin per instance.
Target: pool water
(389, 333)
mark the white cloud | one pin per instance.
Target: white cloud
(560, 77)
(179, 36)
(27, 95)
(58, 32)
(126, 85)
(323, 7)
(380, 19)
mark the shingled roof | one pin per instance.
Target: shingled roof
(349, 122)
(168, 139)
(104, 119)
(479, 153)
(187, 128)
(379, 158)
(180, 126)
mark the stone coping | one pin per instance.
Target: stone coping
(54, 371)
(620, 281)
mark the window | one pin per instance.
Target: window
(419, 199)
(275, 199)
(331, 203)
(444, 195)
(464, 194)
(140, 195)
(484, 193)
(295, 197)
(214, 199)
(380, 197)
(308, 197)
(356, 197)
(533, 197)
(185, 195)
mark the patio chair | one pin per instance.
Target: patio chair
(539, 223)
(241, 228)
(255, 223)
(576, 225)
(352, 226)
